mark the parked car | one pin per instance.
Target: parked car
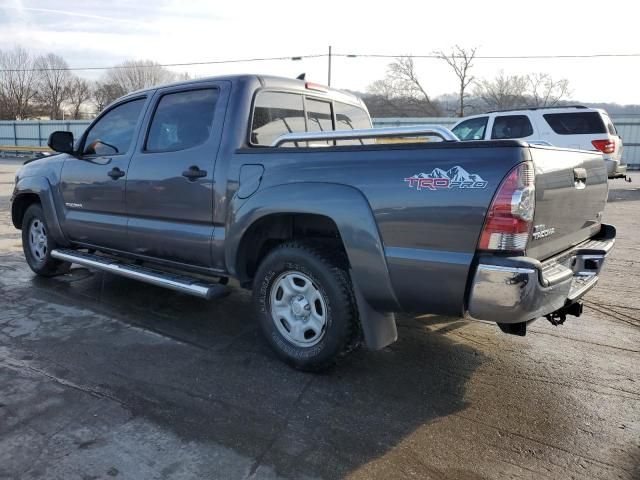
(280, 183)
(575, 127)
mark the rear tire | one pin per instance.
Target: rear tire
(37, 244)
(306, 306)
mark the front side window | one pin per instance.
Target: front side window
(274, 114)
(182, 120)
(113, 132)
(472, 129)
(511, 126)
(578, 123)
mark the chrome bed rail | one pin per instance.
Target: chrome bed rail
(421, 130)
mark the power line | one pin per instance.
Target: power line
(152, 65)
(493, 57)
(321, 55)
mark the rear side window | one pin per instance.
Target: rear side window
(351, 117)
(472, 129)
(511, 126)
(274, 114)
(578, 123)
(113, 132)
(182, 120)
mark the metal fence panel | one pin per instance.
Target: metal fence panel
(34, 133)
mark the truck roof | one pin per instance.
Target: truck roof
(269, 81)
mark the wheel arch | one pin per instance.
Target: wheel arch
(343, 211)
(19, 206)
(36, 189)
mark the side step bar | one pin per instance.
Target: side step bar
(180, 283)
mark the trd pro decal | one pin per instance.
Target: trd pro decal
(455, 177)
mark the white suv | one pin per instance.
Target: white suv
(576, 127)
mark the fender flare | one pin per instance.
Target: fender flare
(351, 212)
(41, 187)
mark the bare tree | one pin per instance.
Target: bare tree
(382, 99)
(53, 83)
(137, 74)
(503, 92)
(104, 92)
(404, 80)
(461, 61)
(17, 83)
(545, 91)
(79, 94)
(400, 92)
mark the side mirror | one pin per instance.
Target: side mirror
(61, 142)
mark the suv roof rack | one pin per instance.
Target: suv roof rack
(536, 108)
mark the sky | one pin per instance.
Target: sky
(100, 33)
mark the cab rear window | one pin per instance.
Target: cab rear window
(579, 123)
(277, 113)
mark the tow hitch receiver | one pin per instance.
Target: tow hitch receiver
(559, 316)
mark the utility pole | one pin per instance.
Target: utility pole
(329, 73)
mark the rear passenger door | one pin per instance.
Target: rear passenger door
(511, 127)
(169, 197)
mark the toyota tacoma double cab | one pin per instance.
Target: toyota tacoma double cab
(283, 185)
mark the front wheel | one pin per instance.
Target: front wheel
(37, 244)
(306, 306)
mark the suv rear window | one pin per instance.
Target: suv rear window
(578, 123)
(511, 126)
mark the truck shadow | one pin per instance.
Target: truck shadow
(623, 195)
(201, 371)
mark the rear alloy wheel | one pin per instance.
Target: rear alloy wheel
(306, 306)
(37, 244)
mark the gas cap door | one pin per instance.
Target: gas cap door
(250, 178)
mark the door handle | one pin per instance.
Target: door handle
(194, 172)
(116, 173)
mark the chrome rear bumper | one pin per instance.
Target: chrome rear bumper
(519, 289)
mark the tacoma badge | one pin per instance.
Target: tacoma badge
(541, 231)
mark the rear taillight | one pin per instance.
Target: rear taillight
(605, 146)
(510, 216)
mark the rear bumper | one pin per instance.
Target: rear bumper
(615, 168)
(519, 289)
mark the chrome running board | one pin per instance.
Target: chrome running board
(179, 283)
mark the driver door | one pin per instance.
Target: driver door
(93, 185)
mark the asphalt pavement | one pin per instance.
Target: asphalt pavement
(103, 377)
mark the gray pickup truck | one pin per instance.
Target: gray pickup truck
(283, 185)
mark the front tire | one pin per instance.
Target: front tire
(306, 306)
(37, 244)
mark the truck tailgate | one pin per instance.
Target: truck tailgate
(571, 193)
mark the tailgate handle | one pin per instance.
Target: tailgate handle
(580, 177)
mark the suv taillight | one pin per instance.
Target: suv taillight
(510, 216)
(605, 146)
